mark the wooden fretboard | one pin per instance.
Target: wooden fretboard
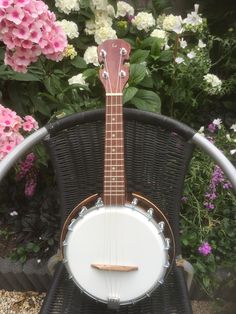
(114, 172)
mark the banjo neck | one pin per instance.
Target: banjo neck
(114, 75)
(114, 169)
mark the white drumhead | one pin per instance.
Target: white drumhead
(116, 235)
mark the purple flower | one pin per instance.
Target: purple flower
(227, 185)
(212, 128)
(205, 249)
(209, 206)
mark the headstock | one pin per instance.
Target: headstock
(114, 74)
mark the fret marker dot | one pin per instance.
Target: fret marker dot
(113, 179)
(113, 135)
(113, 168)
(113, 119)
(113, 150)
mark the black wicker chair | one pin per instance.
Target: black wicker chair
(157, 153)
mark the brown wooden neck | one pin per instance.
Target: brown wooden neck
(114, 172)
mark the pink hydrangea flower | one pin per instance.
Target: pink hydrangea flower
(29, 25)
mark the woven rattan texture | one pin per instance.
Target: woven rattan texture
(156, 161)
(170, 298)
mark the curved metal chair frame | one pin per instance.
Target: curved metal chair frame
(157, 153)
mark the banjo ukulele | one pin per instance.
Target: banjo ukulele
(117, 248)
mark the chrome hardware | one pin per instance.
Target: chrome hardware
(161, 226)
(123, 51)
(134, 202)
(70, 276)
(99, 202)
(167, 244)
(148, 295)
(83, 209)
(105, 75)
(113, 303)
(167, 264)
(161, 281)
(64, 261)
(65, 243)
(103, 53)
(122, 74)
(70, 227)
(150, 213)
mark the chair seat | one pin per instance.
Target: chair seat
(64, 297)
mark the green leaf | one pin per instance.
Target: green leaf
(147, 100)
(148, 42)
(24, 77)
(139, 56)
(147, 82)
(137, 73)
(156, 48)
(90, 73)
(166, 56)
(129, 93)
(79, 62)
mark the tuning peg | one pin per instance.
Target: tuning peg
(122, 74)
(123, 51)
(103, 53)
(105, 75)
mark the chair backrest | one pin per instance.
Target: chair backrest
(157, 154)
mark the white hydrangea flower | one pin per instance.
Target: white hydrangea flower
(66, 6)
(91, 55)
(102, 19)
(214, 84)
(104, 33)
(191, 54)
(201, 44)
(69, 27)
(183, 43)
(159, 34)
(110, 11)
(233, 127)
(144, 21)
(99, 5)
(123, 9)
(173, 23)
(90, 27)
(77, 79)
(179, 60)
